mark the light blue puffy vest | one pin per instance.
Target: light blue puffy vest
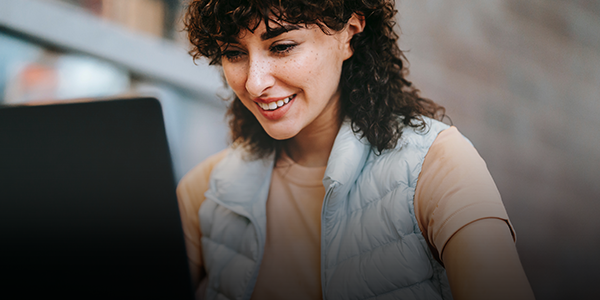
(371, 244)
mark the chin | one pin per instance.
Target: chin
(280, 134)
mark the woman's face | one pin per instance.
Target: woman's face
(289, 78)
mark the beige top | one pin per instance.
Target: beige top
(292, 260)
(454, 189)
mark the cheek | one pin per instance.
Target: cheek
(235, 77)
(305, 71)
(320, 70)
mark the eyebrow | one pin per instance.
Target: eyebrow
(271, 33)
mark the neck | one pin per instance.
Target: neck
(311, 146)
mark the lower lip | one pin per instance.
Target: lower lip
(278, 113)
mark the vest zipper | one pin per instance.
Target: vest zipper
(325, 200)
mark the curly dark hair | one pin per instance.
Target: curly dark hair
(375, 95)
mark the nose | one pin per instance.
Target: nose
(260, 77)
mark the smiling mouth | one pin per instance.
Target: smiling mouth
(275, 104)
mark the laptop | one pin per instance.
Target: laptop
(87, 202)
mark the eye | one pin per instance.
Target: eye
(282, 48)
(232, 55)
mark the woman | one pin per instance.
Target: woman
(339, 183)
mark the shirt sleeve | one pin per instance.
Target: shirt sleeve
(454, 189)
(190, 195)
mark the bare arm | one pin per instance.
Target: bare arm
(481, 261)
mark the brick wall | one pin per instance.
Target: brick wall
(521, 79)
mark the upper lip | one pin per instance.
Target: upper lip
(271, 99)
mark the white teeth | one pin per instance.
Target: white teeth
(275, 104)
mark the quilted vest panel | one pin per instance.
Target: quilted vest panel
(371, 245)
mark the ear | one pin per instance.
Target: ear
(356, 24)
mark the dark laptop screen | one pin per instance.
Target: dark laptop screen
(88, 203)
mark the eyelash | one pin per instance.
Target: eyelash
(232, 55)
(280, 49)
(283, 48)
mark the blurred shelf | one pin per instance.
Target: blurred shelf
(70, 28)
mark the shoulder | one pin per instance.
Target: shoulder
(452, 153)
(421, 137)
(455, 188)
(404, 162)
(195, 183)
(415, 142)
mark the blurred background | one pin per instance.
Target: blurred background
(78, 49)
(520, 78)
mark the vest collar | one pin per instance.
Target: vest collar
(347, 158)
(243, 185)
